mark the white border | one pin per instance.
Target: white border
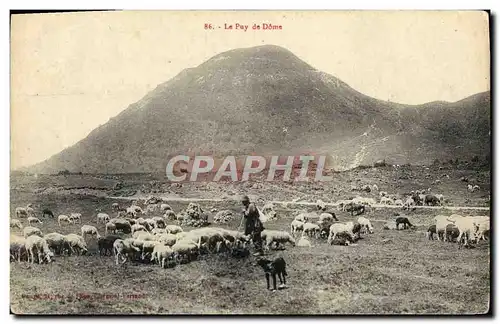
(188, 5)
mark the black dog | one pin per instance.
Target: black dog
(273, 268)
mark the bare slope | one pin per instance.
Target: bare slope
(241, 101)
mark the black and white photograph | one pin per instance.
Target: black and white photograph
(250, 162)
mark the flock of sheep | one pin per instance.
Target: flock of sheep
(155, 240)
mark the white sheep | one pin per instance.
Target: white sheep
(103, 218)
(21, 212)
(110, 228)
(76, 242)
(162, 253)
(144, 236)
(32, 219)
(173, 229)
(90, 230)
(302, 217)
(146, 247)
(17, 247)
(157, 231)
(296, 226)
(137, 227)
(16, 223)
(325, 218)
(165, 207)
(158, 222)
(320, 204)
(185, 248)
(338, 228)
(125, 249)
(278, 237)
(30, 230)
(57, 242)
(366, 225)
(64, 218)
(167, 239)
(169, 215)
(115, 206)
(35, 244)
(76, 217)
(311, 229)
(385, 201)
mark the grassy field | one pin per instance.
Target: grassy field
(388, 272)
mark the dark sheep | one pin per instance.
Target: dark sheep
(105, 244)
(47, 212)
(403, 220)
(451, 232)
(431, 200)
(355, 208)
(431, 231)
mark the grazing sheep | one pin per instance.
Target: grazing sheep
(302, 217)
(169, 215)
(110, 228)
(76, 217)
(327, 218)
(398, 202)
(278, 237)
(430, 232)
(158, 231)
(137, 227)
(366, 225)
(102, 218)
(47, 212)
(320, 205)
(385, 201)
(339, 228)
(382, 194)
(58, 243)
(21, 212)
(355, 208)
(173, 229)
(167, 239)
(162, 253)
(30, 230)
(165, 207)
(409, 203)
(151, 223)
(467, 227)
(90, 230)
(17, 248)
(115, 206)
(404, 220)
(451, 232)
(311, 229)
(64, 218)
(146, 247)
(159, 222)
(185, 248)
(440, 197)
(77, 243)
(32, 219)
(121, 225)
(431, 200)
(144, 236)
(296, 226)
(441, 223)
(125, 249)
(483, 227)
(105, 244)
(16, 223)
(35, 244)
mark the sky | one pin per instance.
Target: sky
(72, 72)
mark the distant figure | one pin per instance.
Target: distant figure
(253, 225)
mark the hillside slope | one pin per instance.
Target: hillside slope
(265, 100)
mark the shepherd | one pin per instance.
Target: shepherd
(253, 225)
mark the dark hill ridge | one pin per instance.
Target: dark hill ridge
(239, 102)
